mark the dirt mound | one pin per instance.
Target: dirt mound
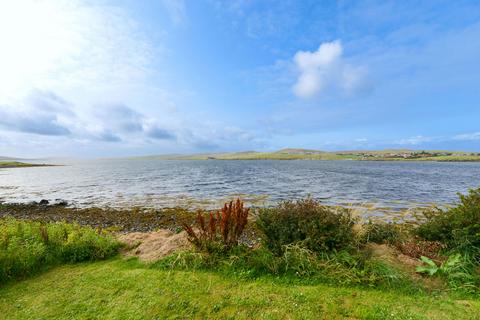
(151, 246)
(392, 255)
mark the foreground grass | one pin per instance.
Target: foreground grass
(119, 289)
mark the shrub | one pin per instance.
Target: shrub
(222, 231)
(382, 233)
(297, 263)
(318, 227)
(456, 270)
(415, 248)
(299, 260)
(26, 247)
(457, 227)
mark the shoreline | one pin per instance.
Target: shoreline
(122, 220)
(16, 164)
(309, 159)
(146, 219)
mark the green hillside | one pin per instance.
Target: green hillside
(17, 164)
(308, 154)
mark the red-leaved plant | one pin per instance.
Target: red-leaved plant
(222, 230)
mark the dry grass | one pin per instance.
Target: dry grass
(151, 246)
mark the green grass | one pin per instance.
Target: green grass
(453, 158)
(308, 155)
(16, 164)
(120, 289)
(28, 247)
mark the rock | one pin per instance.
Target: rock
(43, 202)
(61, 202)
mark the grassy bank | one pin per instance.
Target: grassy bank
(118, 289)
(304, 154)
(309, 261)
(16, 164)
(27, 248)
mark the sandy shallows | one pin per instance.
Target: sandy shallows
(151, 246)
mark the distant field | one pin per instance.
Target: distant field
(16, 164)
(302, 154)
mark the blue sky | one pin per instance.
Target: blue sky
(113, 78)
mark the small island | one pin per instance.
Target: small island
(17, 164)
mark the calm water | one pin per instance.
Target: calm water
(153, 183)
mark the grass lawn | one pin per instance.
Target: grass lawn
(120, 289)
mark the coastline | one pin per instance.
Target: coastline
(122, 220)
(314, 157)
(16, 164)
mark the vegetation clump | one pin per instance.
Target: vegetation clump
(382, 233)
(27, 247)
(300, 240)
(458, 227)
(319, 228)
(223, 229)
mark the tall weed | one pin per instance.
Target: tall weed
(27, 247)
(221, 231)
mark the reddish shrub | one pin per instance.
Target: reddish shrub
(416, 248)
(223, 229)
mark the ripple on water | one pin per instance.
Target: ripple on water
(393, 185)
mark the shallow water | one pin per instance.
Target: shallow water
(167, 183)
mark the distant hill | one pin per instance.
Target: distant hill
(2, 158)
(299, 151)
(310, 154)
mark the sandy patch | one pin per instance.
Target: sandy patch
(151, 246)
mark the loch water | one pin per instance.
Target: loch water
(167, 183)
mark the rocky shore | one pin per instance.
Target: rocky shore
(123, 220)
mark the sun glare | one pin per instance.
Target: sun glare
(37, 40)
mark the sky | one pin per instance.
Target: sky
(124, 78)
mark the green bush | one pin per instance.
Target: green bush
(457, 270)
(297, 263)
(319, 228)
(381, 233)
(457, 227)
(26, 247)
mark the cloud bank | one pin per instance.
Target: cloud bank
(42, 113)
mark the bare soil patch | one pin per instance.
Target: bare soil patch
(151, 246)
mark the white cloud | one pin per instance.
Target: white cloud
(62, 62)
(326, 69)
(415, 140)
(119, 122)
(60, 44)
(42, 113)
(468, 136)
(176, 10)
